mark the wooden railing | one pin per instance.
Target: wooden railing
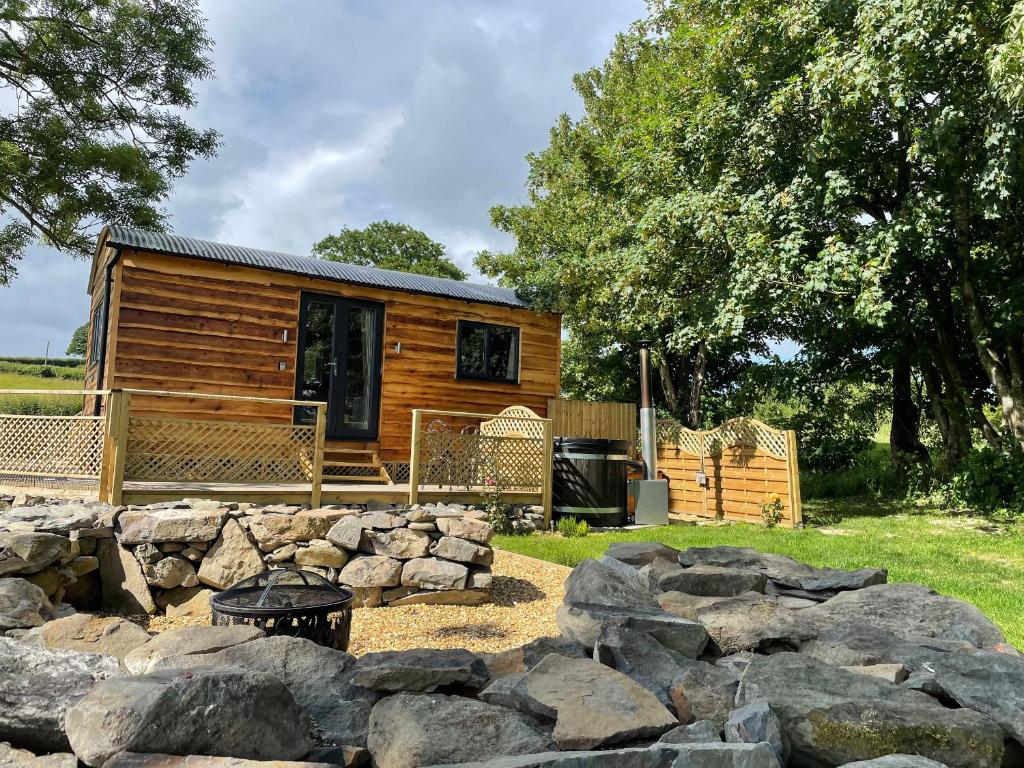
(126, 444)
(39, 445)
(509, 452)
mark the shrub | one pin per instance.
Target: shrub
(47, 372)
(988, 481)
(571, 528)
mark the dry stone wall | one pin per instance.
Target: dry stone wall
(173, 556)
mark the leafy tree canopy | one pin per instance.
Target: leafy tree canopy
(97, 133)
(389, 245)
(79, 341)
(846, 174)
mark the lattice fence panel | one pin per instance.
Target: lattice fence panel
(58, 446)
(470, 459)
(749, 432)
(178, 450)
(671, 432)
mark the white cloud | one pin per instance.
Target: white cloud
(337, 113)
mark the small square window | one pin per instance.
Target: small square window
(487, 352)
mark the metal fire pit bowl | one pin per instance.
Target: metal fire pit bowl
(289, 602)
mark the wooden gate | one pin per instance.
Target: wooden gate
(731, 471)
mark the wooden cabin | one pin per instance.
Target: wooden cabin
(187, 315)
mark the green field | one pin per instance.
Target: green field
(19, 375)
(965, 557)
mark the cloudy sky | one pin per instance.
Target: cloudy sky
(340, 113)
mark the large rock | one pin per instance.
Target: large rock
(124, 585)
(140, 760)
(347, 533)
(526, 657)
(896, 761)
(231, 559)
(371, 571)
(609, 584)
(421, 670)
(641, 657)
(686, 606)
(712, 581)
(583, 623)
(988, 682)
(186, 641)
(431, 573)
(831, 716)
(38, 685)
(242, 714)
(755, 622)
(160, 525)
(657, 756)
(399, 543)
(753, 724)
(408, 731)
(703, 691)
(38, 550)
(848, 643)
(699, 732)
(462, 550)
(170, 572)
(61, 519)
(910, 611)
(11, 757)
(319, 678)
(641, 553)
(591, 704)
(275, 530)
(321, 552)
(466, 528)
(84, 632)
(22, 605)
(784, 572)
(185, 601)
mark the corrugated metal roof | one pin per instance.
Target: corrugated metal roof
(309, 266)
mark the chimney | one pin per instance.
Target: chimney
(648, 417)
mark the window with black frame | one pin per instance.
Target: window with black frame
(487, 352)
(96, 334)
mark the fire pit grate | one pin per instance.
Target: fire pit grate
(289, 602)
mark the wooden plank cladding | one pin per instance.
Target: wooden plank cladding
(744, 464)
(582, 418)
(197, 326)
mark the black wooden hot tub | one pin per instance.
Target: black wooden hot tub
(590, 480)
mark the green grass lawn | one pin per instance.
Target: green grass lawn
(38, 404)
(964, 557)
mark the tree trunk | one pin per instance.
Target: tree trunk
(667, 383)
(904, 437)
(700, 362)
(1003, 369)
(950, 415)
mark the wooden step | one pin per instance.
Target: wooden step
(368, 479)
(361, 464)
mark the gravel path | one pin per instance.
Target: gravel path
(525, 594)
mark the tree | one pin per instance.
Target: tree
(79, 341)
(389, 245)
(844, 174)
(97, 133)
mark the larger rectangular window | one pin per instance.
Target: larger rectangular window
(487, 352)
(96, 334)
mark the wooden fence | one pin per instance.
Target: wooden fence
(508, 454)
(582, 418)
(730, 471)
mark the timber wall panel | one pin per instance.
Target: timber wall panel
(190, 325)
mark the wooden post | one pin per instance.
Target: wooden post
(414, 458)
(548, 469)
(796, 510)
(318, 455)
(119, 407)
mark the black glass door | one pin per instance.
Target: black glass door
(339, 362)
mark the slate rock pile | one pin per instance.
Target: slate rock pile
(173, 556)
(765, 663)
